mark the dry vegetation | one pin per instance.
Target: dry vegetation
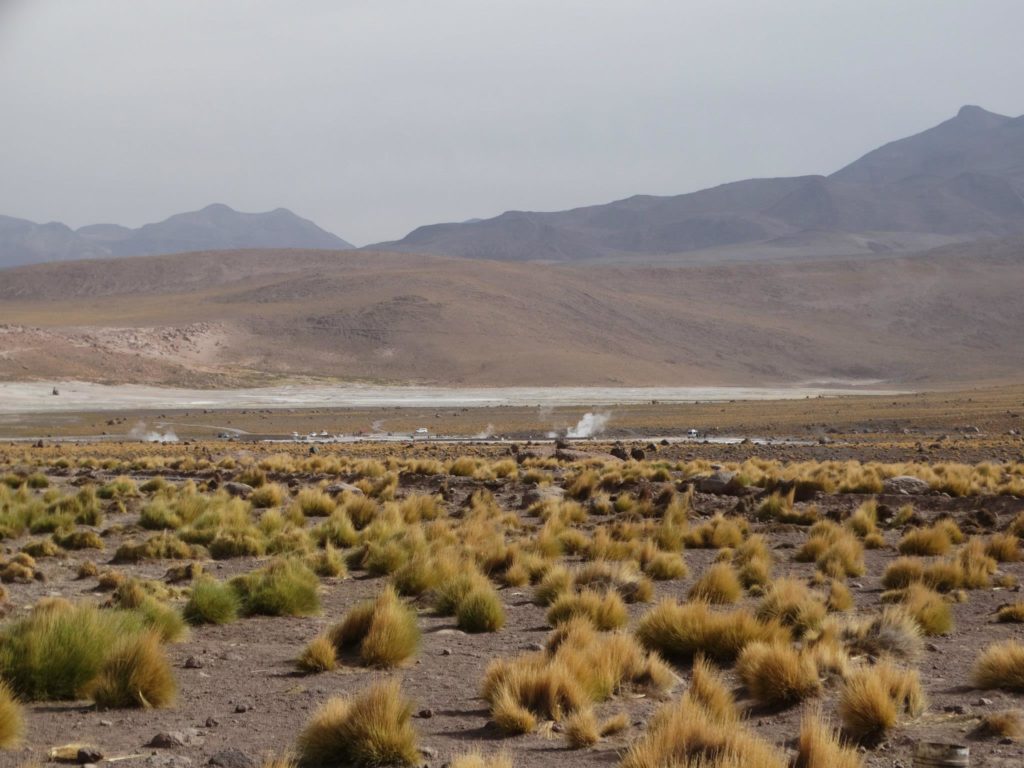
(791, 607)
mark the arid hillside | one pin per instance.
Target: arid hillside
(948, 315)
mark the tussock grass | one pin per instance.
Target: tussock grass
(477, 759)
(709, 690)
(937, 539)
(12, 720)
(840, 598)
(373, 728)
(582, 729)
(319, 655)
(383, 630)
(604, 610)
(718, 585)
(666, 566)
(282, 588)
(580, 667)
(892, 632)
(793, 604)
(776, 674)
(681, 632)
(819, 745)
(682, 734)
(1003, 547)
(1000, 665)
(212, 602)
(932, 613)
(1008, 724)
(480, 611)
(717, 533)
(833, 549)
(873, 698)
(136, 674)
(1011, 614)
(58, 649)
(267, 496)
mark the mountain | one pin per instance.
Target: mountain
(242, 317)
(959, 181)
(213, 227)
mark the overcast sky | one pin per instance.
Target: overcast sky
(374, 116)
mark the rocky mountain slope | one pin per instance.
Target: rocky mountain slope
(959, 181)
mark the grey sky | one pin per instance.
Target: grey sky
(374, 116)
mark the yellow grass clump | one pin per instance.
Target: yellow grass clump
(777, 675)
(373, 728)
(1000, 665)
(873, 698)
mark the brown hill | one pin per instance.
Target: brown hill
(952, 314)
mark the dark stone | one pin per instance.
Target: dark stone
(232, 758)
(89, 755)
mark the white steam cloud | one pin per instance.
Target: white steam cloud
(139, 432)
(591, 425)
(487, 433)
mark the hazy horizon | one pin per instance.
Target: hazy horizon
(374, 118)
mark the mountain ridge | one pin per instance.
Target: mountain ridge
(217, 226)
(961, 180)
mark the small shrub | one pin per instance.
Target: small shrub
(710, 691)
(794, 605)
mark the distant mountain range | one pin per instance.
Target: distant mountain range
(214, 227)
(961, 180)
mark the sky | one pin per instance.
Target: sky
(373, 117)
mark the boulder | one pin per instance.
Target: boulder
(722, 483)
(335, 488)
(905, 485)
(542, 493)
(241, 490)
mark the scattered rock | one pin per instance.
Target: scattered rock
(637, 454)
(193, 662)
(335, 488)
(428, 752)
(172, 739)
(534, 647)
(619, 453)
(446, 652)
(241, 490)
(232, 758)
(542, 493)
(983, 702)
(89, 755)
(212, 722)
(426, 714)
(243, 706)
(905, 485)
